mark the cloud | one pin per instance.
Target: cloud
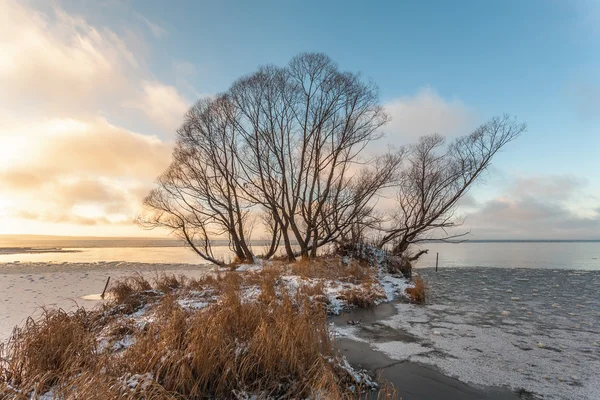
(542, 207)
(81, 171)
(162, 104)
(157, 30)
(57, 60)
(425, 113)
(59, 64)
(63, 146)
(61, 217)
(65, 161)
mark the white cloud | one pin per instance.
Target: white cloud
(68, 167)
(157, 30)
(538, 207)
(63, 164)
(162, 104)
(59, 64)
(59, 59)
(425, 113)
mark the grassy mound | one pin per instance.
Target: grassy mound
(158, 342)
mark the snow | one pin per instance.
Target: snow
(393, 286)
(64, 285)
(84, 279)
(123, 343)
(49, 395)
(255, 267)
(359, 376)
(242, 395)
(467, 334)
(191, 304)
(131, 382)
(349, 332)
(402, 351)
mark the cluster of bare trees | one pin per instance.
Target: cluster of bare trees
(282, 150)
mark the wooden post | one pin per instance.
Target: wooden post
(105, 287)
(437, 255)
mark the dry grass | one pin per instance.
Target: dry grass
(363, 297)
(130, 293)
(416, 294)
(278, 346)
(42, 352)
(280, 350)
(331, 267)
(168, 282)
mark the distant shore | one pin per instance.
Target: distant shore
(35, 250)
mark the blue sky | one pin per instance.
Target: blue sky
(533, 59)
(440, 65)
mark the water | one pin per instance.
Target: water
(133, 250)
(522, 254)
(523, 328)
(81, 266)
(159, 255)
(554, 255)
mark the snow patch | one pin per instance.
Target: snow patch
(192, 304)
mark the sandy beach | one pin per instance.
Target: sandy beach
(26, 287)
(485, 332)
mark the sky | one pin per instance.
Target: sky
(91, 93)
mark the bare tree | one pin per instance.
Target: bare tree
(198, 197)
(283, 147)
(304, 128)
(435, 178)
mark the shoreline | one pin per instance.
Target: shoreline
(414, 381)
(258, 312)
(376, 343)
(27, 287)
(532, 330)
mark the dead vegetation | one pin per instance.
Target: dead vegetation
(333, 267)
(416, 294)
(278, 346)
(43, 351)
(362, 297)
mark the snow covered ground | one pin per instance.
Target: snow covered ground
(333, 283)
(25, 287)
(528, 329)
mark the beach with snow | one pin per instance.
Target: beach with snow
(26, 287)
(531, 331)
(534, 331)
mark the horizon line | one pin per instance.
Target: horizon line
(77, 237)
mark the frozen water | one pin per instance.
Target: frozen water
(475, 331)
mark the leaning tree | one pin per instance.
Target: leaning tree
(435, 177)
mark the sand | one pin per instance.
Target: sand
(26, 287)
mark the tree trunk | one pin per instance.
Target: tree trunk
(274, 243)
(313, 251)
(286, 242)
